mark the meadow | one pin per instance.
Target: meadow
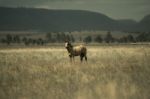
(111, 72)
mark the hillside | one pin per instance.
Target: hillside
(60, 20)
(144, 24)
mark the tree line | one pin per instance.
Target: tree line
(49, 38)
(61, 37)
(141, 37)
(16, 39)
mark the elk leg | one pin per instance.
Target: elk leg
(85, 57)
(81, 56)
(70, 58)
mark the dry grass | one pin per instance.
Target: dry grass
(112, 72)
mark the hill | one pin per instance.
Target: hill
(144, 24)
(61, 20)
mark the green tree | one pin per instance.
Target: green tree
(64, 37)
(3, 40)
(58, 37)
(109, 38)
(16, 39)
(72, 38)
(9, 39)
(25, 40)
(130, 38)
(143, 37)
(40, 41)
(123, 39)
(88, 39)
(49, 37)
(98, 39)
(67, 37)
(80, 38)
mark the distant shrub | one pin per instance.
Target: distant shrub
(98, 39)
(109, 38)
(88, 39)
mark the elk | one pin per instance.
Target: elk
(73, 51)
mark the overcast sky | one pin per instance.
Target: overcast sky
(117, 9)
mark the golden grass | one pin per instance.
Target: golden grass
(112, 72)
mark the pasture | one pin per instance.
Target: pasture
(112, 72)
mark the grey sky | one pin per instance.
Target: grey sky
(117, 9)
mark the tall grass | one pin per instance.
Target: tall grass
(112, 72)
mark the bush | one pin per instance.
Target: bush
(98, 39)
(88, 39)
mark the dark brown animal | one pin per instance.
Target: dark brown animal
(76, 51)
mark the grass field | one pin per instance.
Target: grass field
(112, 72)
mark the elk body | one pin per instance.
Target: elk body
(76, 51)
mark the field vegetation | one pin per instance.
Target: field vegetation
(112, 72)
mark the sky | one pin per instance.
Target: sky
(116, 9)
